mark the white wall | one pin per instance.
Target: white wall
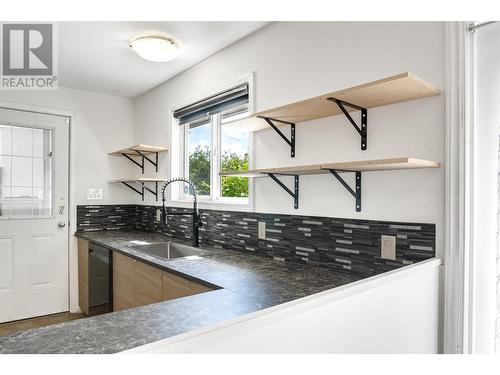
(375, 315)
(101, 123)
(294, 61)
(487, 126)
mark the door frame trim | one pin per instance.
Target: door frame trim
(72, 246)
(459, 206)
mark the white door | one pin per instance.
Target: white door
(33, 214)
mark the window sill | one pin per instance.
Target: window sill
(213, 205)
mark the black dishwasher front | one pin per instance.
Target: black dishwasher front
(100, 280)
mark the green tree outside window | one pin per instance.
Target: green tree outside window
(199, 172)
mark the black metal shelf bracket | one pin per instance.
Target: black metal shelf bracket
(140, 165)
(355, 193)
(294, 193)
(143, 157)
(363, 130)
(140, 192)
(154, 192)
(291, 141)
(142, 188)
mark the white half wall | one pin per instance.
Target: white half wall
(393, 313)
(298, 60)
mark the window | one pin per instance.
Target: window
(234, 146)
(211, 141)
(212, 146)
(26, 177)
(199, 155)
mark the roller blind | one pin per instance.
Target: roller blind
(228, 101)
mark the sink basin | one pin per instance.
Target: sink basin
(171, 250)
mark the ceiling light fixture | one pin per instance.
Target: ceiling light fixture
(155, 48)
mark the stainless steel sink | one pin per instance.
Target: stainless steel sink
(170, 250)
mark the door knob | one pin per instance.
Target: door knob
(61, 224)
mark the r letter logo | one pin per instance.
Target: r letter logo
(28, 57)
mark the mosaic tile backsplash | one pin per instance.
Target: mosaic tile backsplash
(107, 217)
(341, 244)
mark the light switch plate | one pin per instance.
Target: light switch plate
(94, 194)
(262, 230)
(388, 247)
(98, 194)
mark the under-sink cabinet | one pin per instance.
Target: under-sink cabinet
(177, 287)
(135, 283)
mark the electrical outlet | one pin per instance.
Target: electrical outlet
(158, 215)
(262, 230)
(388, 247)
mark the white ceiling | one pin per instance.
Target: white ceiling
(96, 56)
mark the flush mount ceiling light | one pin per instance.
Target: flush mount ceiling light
(155, 48)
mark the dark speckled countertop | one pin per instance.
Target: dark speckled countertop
(246, 282)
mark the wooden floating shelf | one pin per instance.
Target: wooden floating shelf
(142, 151)
(394, 89)
(138, 150)
(390, 90)
(351, 166)
(382, 165)
(356, 167)
(139, 179)
(399, 88)
(139, 184)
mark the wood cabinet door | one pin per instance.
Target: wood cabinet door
(137, 284)
(148, 284)
(123, 282)
(177, 287)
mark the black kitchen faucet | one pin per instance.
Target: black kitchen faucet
(196, 215)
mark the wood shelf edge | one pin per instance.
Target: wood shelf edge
(145, 149)
(317, 107)
(139, 179)
(402, 163)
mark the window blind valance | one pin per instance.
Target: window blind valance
(226, 101)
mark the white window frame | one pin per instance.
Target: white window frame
(179, 162)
